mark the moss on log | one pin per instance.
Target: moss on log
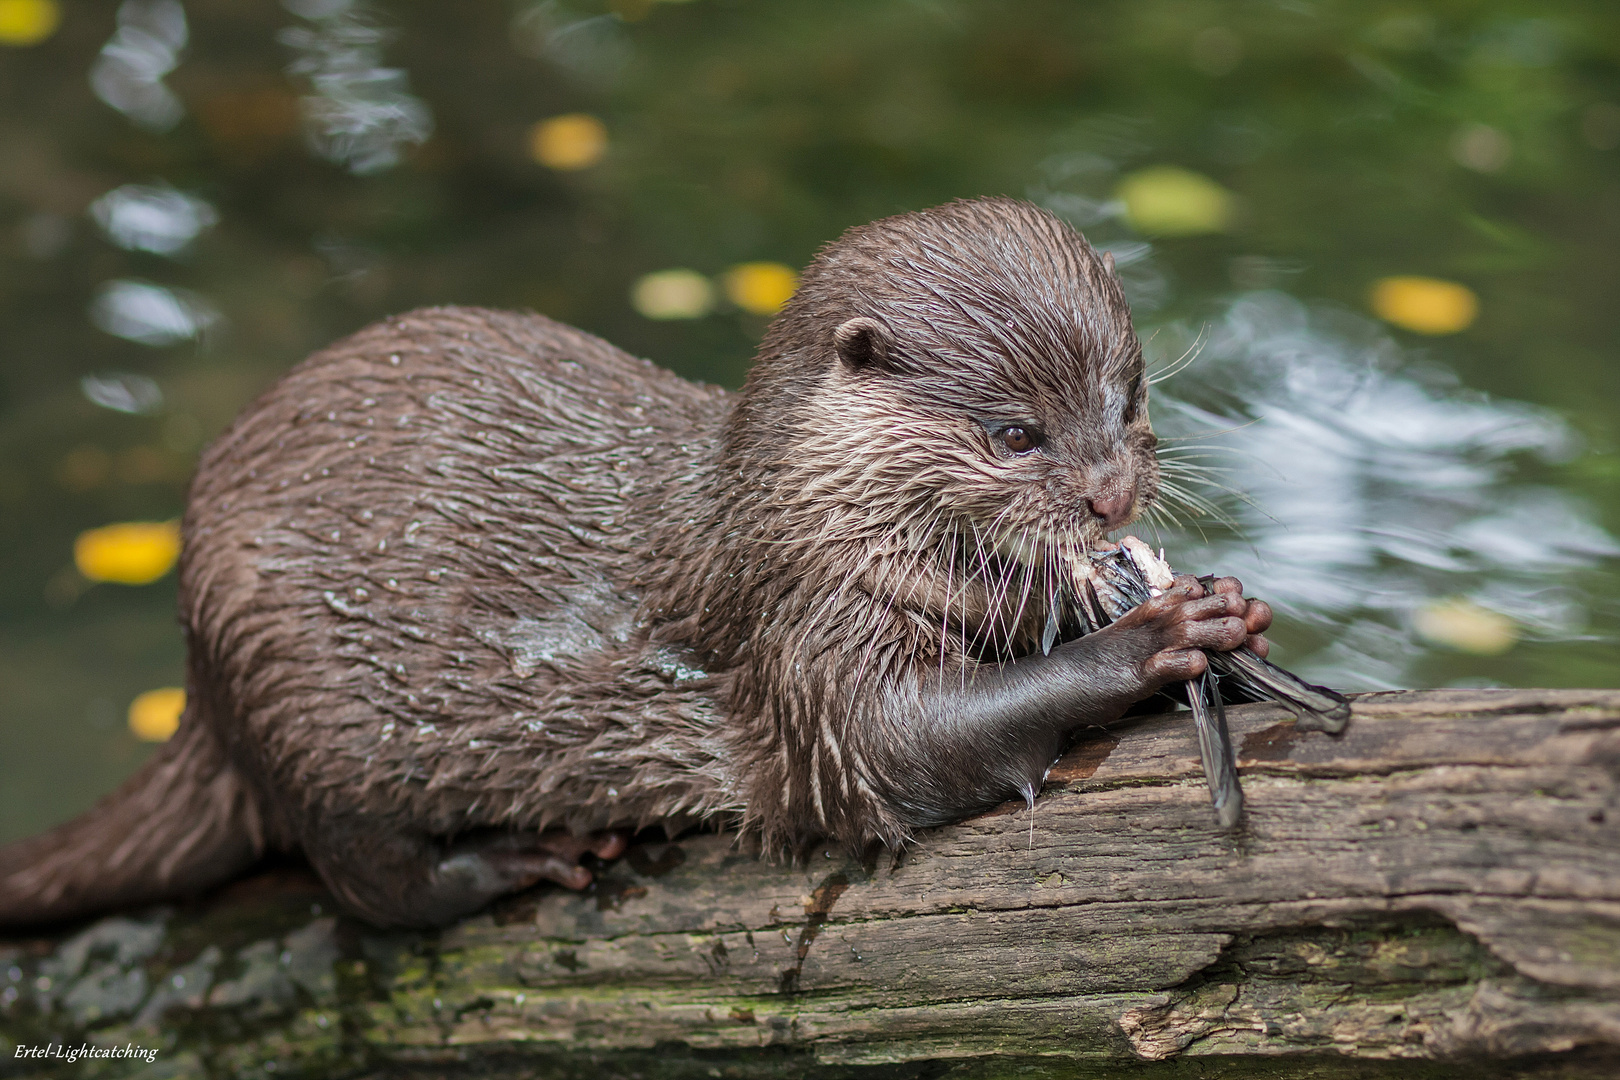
(1439, 886)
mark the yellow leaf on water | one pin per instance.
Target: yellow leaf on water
(1424, 305)
(673, 294)
(155, 715)
(129, 553)
(1459, 623)
(28, 22)
(760, 287)
(568, 142)
(1164, 200)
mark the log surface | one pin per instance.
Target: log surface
(1439, 885)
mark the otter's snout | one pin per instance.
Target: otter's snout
(1113, 509)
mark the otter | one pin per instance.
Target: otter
(471, 594)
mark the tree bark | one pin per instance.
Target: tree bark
(1439, 885)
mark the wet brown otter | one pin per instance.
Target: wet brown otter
(470, 593)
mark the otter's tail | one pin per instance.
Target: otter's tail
(186, 821)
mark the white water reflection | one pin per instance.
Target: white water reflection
(129, 73)
(152, 217)
(592, 48)
(1375, 486)
(361, 114)
(123, 392)
(151, 314)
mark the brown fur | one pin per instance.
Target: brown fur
(469, 570)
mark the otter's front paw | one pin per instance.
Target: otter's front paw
(1173, 629)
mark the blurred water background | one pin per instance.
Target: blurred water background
(1373, 249)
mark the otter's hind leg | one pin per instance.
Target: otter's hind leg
(401, 879)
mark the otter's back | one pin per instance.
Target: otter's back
(424, 535)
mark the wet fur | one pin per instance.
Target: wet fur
(469, 572)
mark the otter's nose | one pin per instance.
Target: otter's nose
(1112, 509)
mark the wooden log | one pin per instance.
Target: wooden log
(1439, 885)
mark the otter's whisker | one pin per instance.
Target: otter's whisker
(1205, 475)
(945, 607)
(1025, 577)
(1175, 440)
(1194, 502)
(1153, 526)
(1196, 526)
(1184, 361)
(1186, 466)
(1160, 511)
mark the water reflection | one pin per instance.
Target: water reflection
(361, 115)
(593, 49)
(123, 392)
(129, 73)
(151, 314)
(152, 217)
(1377, 495)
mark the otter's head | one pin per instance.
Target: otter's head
(965, 369)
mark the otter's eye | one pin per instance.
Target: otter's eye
(1133, 398)
(1018, 440)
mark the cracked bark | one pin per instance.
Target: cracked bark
(1440, 885)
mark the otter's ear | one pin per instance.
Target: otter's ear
(863, 343)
